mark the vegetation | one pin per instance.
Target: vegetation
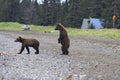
(110, 33)
(10, 26)
(70, 13)
(42, 28)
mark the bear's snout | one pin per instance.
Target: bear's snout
(15, 41)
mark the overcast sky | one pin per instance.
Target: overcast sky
(42, 0)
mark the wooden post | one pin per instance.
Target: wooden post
(113, 18)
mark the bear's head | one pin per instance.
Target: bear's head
(19, 39)
(59, 27)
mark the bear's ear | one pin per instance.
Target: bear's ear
(60, 26)
(20, 37)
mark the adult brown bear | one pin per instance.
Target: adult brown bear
(26, 43)
(63, 39)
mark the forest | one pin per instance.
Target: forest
(70, 12)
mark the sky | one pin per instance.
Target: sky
(42, 0)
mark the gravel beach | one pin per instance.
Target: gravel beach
(90, 58)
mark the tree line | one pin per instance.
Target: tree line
(70, 12)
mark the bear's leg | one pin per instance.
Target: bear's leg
(37, 49)
(63, 50)
(28, 50)
(67, 52)
(22, 48)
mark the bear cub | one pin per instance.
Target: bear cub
(26, 43)
(63, 38)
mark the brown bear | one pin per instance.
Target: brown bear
(26, 43)
(63, 38)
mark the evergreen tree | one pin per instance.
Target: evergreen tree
(9, 10)
(107, 12)
(46, 12)
(51, 10)
(26, 10)
(64, 13)
(36, 13)
(73, 17)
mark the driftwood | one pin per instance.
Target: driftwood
(69, 77)
(8, 54)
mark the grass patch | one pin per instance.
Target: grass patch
(110, 33)
(10, 26)
(41, 28)
(18, 26)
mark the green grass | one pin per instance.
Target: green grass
(110, 33)
(41, 28)
(9, 26)
(17, 26)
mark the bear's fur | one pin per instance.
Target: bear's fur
(63, 38)
(26, 43)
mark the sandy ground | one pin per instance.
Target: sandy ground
(90, 58)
